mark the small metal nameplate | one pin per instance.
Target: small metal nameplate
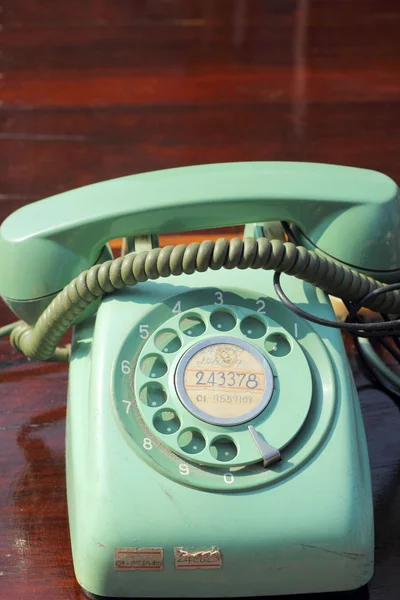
(210, 558)
(138, 559)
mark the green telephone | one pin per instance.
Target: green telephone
(215, 446)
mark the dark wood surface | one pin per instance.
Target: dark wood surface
(98, 89)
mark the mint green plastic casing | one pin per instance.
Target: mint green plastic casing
(306, 526)
(301, 525)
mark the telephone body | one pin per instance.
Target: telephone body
(215, 445)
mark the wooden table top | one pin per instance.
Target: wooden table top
(100, 89)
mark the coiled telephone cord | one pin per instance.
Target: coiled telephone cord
(40, 341)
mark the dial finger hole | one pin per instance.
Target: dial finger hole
(222, 320)
(153, 395)
(168, 341)
(223, 449)
(166, 422)
(191, 441)
(192, 325)
(252, 327)
(277, 345)
(153, 366)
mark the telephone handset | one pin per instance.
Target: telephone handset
(215, 445)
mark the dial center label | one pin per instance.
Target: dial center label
(225, 382)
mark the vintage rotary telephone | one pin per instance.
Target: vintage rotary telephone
(215, 446)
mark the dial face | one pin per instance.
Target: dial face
(204, 366)
(224, 381)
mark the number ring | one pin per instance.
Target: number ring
(217, 420)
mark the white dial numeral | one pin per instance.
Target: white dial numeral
(229, 478)
(125, 367)
(144, 331)
(261, 305)
(184, 469)
(177, 308)
(128, 405)
(219, 298)
(296, 331)
(147, 445)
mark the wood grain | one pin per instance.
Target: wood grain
(100, 89)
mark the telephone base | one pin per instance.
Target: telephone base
(302, 525)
